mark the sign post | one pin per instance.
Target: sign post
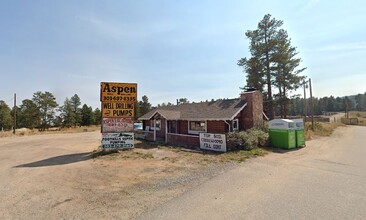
(118, 109)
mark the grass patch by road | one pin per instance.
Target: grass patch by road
(320, 129)
(145, 150)
(361, 116)
(56, 130)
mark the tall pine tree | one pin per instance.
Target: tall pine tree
(272, 63)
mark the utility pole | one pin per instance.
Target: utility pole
(311, 106)
(15, 113)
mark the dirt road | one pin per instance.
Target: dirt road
(53, 176)
(325, 180)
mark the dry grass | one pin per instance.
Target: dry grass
(320, 129)
(360, 115)
(146, 150)
(26, 131)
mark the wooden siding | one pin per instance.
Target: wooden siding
(216, 127)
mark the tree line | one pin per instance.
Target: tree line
(328, 104)
(43, 112)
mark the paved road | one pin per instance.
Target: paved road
(325, 180)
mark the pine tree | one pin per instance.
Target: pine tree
(5, 116)
(46, 104)
(272, 63)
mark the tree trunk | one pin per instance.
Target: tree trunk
(270, 112)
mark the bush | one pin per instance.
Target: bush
(247, 140)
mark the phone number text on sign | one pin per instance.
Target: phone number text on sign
(117, 140)
(117, 125)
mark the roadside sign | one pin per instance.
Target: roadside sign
(118, 92)
(110, 125)
(117, 140)
(214, 142)
(117, 110)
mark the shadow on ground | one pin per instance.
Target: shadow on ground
(281, 150)
(59, 160)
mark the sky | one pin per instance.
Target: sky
(171, 49)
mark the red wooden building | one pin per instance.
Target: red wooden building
(180, 125)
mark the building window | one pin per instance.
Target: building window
(172, 127)
(196, 127)
(157, 125)
(235, 125)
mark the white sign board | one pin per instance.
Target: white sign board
(110, 125)
(214, 142)
(117, 140)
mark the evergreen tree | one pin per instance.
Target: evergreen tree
(28, 115)
(272, 63)
(67, 115)
(46, 104)
(286, 76)
(144, 105)
(6, 121)
(75, 104)
(97, 116)
(86, 115)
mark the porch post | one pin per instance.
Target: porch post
(154, 129)
(166, 131)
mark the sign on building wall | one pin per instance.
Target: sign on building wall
(118, 110)
(214, 142)
(118, 92)
(117, 140)
(117, 125)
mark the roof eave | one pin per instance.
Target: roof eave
(241, 109)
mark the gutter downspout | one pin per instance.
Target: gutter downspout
(227, 124)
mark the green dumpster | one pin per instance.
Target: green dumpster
(282, 133)
(299, 132)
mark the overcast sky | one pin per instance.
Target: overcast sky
(172, 49)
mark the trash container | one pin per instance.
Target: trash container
(282, 133)
(299, 132)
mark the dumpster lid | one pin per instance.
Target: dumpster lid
(299, 123)
(285, 124)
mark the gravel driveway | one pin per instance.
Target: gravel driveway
(54, 176)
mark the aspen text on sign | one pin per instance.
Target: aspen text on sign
(118, 92)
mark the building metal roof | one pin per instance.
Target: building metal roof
(226, 109)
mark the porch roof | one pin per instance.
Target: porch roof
(226, 109)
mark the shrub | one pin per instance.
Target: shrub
(247, 140)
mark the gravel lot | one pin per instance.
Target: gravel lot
(54, 176)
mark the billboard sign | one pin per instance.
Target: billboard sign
(117, 125)
(118, 92)
(117, 110)
(117, 140)
(214, 142)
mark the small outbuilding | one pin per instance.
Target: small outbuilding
(181, 124)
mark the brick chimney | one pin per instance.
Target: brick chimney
(253, 112)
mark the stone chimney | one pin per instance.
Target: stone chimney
(253, 112)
